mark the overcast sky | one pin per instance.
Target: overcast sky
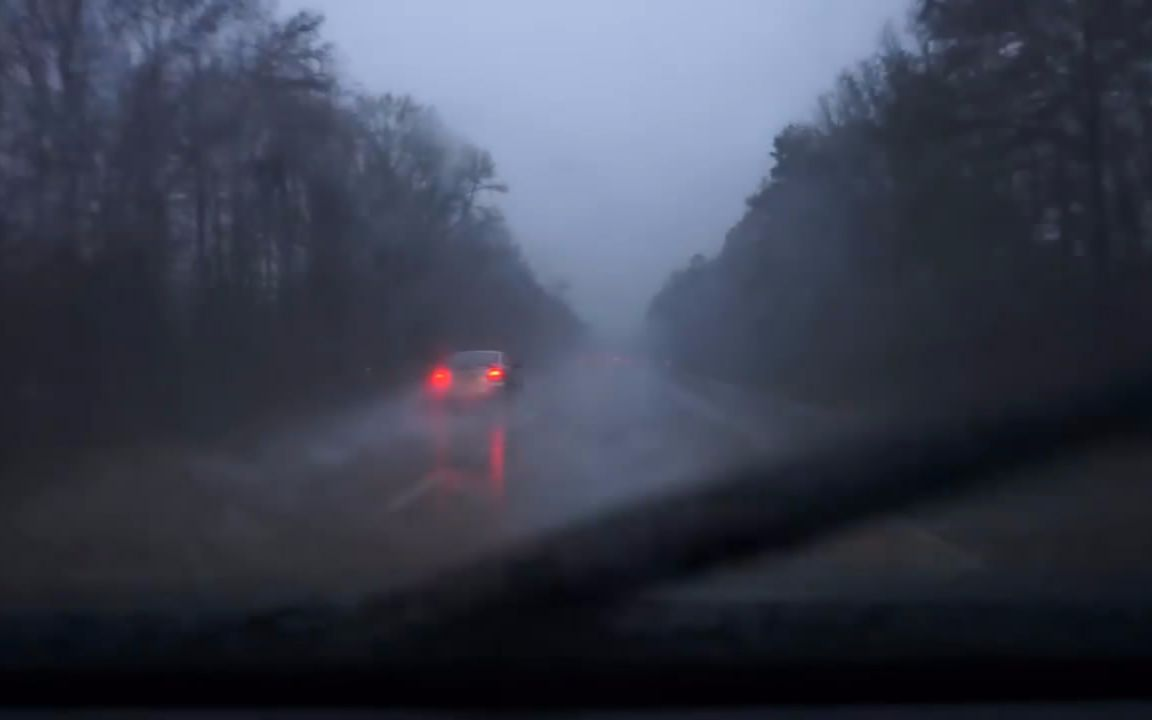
(630, 131)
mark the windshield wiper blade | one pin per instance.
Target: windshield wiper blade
(756, 511)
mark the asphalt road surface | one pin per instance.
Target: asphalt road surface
(386, 493)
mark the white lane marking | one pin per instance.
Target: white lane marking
(710, 412)
(412, 494)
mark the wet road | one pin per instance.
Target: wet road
(356, 502)
(389, 492)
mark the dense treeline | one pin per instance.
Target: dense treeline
(970, 208)
(199, 221)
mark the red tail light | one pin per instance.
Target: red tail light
(495, 374)
(440, 379)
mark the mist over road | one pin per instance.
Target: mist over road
(391, 491)
(356, 502)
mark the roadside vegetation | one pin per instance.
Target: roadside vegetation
(202, 222)
(967, 212)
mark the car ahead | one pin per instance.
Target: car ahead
(473, 378)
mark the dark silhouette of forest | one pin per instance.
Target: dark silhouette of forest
(201, 222)
(969, 210)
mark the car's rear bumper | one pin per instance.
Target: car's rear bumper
(467, 401)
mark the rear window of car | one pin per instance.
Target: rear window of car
(475, 358)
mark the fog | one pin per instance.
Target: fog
(630, 131)
(232, 279)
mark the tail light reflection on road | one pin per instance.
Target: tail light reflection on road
(468, 457)
(496, 448)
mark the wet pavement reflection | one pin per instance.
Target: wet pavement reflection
(469, 455)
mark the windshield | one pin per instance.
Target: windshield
(246, 246)
(475, 359)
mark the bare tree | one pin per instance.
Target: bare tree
(200, 222)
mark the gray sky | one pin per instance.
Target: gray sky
(630, 131)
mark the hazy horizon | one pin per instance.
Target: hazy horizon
(630, 132)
